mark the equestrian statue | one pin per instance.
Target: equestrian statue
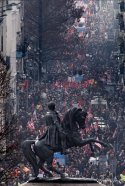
(59, 137)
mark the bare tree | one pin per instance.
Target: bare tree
(8, 146)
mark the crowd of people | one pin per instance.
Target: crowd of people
(76, 84)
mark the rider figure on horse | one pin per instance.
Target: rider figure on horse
(54, 130)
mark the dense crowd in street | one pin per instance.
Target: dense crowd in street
(75, 84)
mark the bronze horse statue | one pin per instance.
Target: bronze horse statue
(37, 152)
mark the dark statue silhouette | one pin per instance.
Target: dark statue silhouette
(37, 152)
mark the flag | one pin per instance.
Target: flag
(25, 85)
(30, 125)
(98, 144)
(54, 162)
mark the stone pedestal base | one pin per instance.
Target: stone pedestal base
(63, 182)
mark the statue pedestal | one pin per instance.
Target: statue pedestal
(63, 182)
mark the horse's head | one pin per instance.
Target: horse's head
(80, 117)
(74, 117)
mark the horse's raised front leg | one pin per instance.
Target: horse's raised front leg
(80, 143)
(109, 145)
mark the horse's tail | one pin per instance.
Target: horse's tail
(30, 155)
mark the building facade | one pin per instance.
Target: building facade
(10, 38)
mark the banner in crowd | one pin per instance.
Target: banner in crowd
(73, 84)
